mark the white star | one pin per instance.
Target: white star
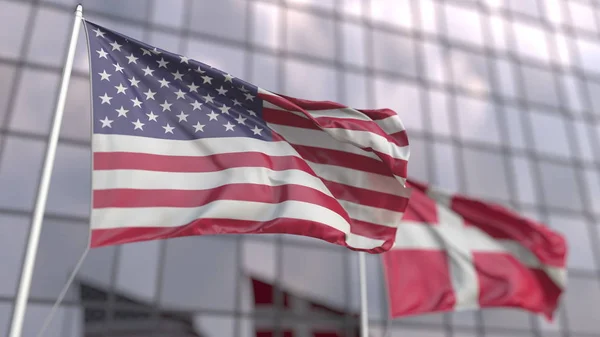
(252, 113)
(212, 115)
(106, 122)
(256, 130)
(164, 83)
(105, 99)
(104, 76)
(152, 116)
(249, 96)
(199, 70)
(162, 63)
(145, 52)
(196, 105)
(241, 120)
(224, 109)
(116, 46)
(155, 51)
(166, 106)
(131, 59)
(149, 94)
(138, 125)
(177, 75)
(222, 91)
(243, 89)
(147, 71)
(122, 111)
(121, 89)
(206, 79)
(182, 117)
(137, 103)
(208, 98)
(236, 102)
(199, 127)
(228, 126)
(99, 32)
(118, 67)
(133, 81)
(193, 87)
(228, 77)
(184, 59)
(168, 128)
(180, 94)
(101, 53)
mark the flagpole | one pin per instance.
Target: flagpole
(362, 276)
(18, 316)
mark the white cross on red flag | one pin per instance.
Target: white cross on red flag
(454, 253)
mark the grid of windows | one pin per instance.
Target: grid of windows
(501, 99)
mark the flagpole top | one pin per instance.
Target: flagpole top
(79, 10)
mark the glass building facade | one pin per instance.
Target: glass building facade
(501, 99)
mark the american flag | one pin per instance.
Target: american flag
(298, 316)
(181, 148)
(477, 255)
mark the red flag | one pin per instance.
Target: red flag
(300, 316)
(454, 253)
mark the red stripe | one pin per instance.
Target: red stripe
(367, 197)
(378, 114)
(115, 236)
(281, 117)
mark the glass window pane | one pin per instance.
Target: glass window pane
(310, 35)
(71, 181)
(355, 86)
(435, 65)
(553, 11)
(5, 313)
(497, 26)
(262, 250)
(560, 186)
(531, 41)
(463, 318)
(43, 49)
(20, 171)
(470, 71)
(446, 173)
(417, 167)
(76, 121)
(12, 248)
(540, 86)
(549, 134)
(209, 16)
(354, 43)
(61, 245)
(394, 12)
(575, 230)
(440, 116)
(224, 58)
(169, 13)
(402, 97)
(506, 318)
(583, 143)
(589, 52)
(429, 16)
(522, 173)
(477, 120)
(13, 19)
(584, 16)
(480, 167)
(98, 265)
(352, 7)
(266, 20)
(166, 41)
(515, 127)
(394, 53)
(504, 71)
(571, 85)
(401, 331)
(528, 7)
(375, 286)
(33, 107)
(215, 325)
(592, 183)
(7, 73)
(563, 49)
(138, 269)
(583, 304)
(35, 315)
(265, 72)
(323, 81)
(135, 9)
(463, 25)
(194, 276)
(594, 94)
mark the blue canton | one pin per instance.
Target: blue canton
(141, 90)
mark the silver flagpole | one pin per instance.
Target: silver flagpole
(18, 315)
(362, 276)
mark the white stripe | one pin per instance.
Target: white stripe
(206, 146)
(416, 235)
(379, 216)
(155, 217)
(140, 179)
(361, 179)
(391, 124)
